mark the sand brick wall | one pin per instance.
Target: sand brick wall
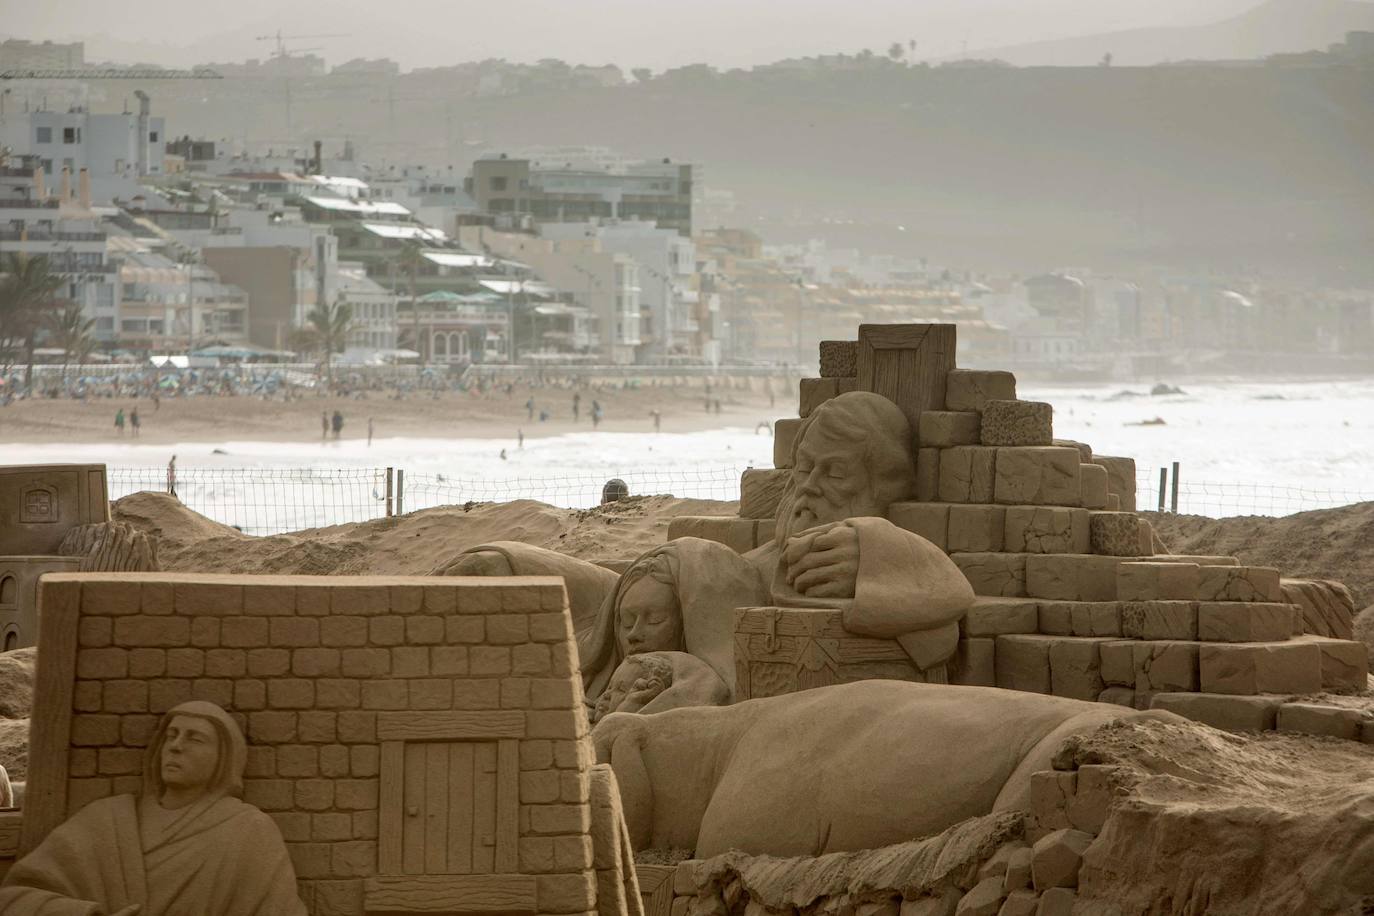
(409, 736)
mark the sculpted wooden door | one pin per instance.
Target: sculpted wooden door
(449, 814)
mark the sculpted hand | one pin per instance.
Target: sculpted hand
(641, 692)
(824, 563)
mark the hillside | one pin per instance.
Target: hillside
(1273, 27)
(1207, 168)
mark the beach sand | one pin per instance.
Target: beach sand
(452, 415)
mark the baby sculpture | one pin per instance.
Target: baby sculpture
(185, 844)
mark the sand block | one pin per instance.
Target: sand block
(975, 528)
(1046, 529)
(1085, 451)
(1092, 480)
(1116, 534)
(1037, 476)
(1023, 663)
(784, 435)
(994, 575)
(1000, 616)
(929, 520)
(1239, 583)
(1076, 667)
(1080, 618)
(1057, 858)
(1165, 666)
(1071, 576)
(1015, 423)
(814, 392)
(1322, 719)
(928, 474)
(971, 389)
(1230, 713)
(839, 358)
(1120, 479)
(966, 474)
(975, 664)
(739, 534)
(948, 428)
(1050, 791)
(760, 489)
(1117, 658)
(1244, 621)
(1328, 608)
(1153, 581)
(1260, 667)
(1159, 619)
(1093, 794)
(1345, 663)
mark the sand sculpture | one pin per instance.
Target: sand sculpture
(55, 518)
(1074, 595)
(420, 743)
(832, 548)
(185, 844)
(849, 767)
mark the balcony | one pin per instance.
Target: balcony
(45, 235)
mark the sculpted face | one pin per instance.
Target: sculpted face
(190, 753)
(650, 619)
(831, 480)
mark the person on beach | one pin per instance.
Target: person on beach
(119, 420)
(134, 422)
(577, 406)
(529, 408)
(369, 432)
(337, 423)
(658, 419)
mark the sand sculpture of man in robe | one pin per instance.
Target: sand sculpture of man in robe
(185, 845)
(834, 548)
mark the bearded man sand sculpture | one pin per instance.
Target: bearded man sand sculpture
(187, 844)
(834, 548)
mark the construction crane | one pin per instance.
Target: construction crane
(281, 40)
(283, 53)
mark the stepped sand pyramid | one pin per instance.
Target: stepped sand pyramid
(1077, 597)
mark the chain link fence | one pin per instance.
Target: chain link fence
(1166, 489)
(262, 501)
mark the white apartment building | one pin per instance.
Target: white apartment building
(666, 262)
(606, 283)
(374, 308)
(59, 224)
(109, 146)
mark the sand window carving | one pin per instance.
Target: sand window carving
(38, 505)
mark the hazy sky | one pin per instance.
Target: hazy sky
(631, 33)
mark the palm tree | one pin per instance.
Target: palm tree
(71, 330)
(330, 326)
(410, 257)
(27, 295)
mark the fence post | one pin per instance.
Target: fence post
(401, 490)
(391, 473)
(1163, 484)
(1173, 500)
